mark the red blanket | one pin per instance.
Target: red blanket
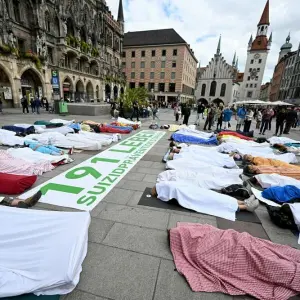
(214, 260)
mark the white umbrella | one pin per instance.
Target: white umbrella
(279, 103)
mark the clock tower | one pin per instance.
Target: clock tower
(258, 50)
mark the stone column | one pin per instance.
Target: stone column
(16, 92)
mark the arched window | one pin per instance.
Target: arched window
(213, 88)
(16, 6)
(47, 21)
(203, 89)
(223, 90)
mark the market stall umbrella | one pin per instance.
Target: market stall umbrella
(279, 103)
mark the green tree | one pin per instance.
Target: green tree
(139, 94)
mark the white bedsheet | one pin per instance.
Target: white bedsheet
(9, 138)
(258, 195)
(206, 155)
(36, 157)
(270, 180)
(210, 180)
(71, 140)
(65, 122)
(41, 252)
(125, 121)
(196, 133)
(281, 140)
(252, 149)
(198, 199)
(198, 166)
(104, 139)
(63, 130)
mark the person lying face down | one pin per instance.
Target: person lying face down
(29, 202)
(202, 200)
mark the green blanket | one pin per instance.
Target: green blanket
(48, 124)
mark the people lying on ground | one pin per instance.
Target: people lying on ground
(45, 149)
(252, 170)
(261, 161)
(16, 202)
(202, 200)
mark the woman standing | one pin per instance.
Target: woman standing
(227, 114)
(176, 112)
(258, 119)
(248, 120)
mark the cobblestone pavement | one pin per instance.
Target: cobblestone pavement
(128, 252)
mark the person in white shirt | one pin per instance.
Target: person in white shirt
(202, 200)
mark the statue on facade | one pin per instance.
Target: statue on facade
(64, 26)
(41, 47)
(12, 40)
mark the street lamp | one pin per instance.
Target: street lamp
(178, 96)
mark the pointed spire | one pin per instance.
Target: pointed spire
(250, 40)
(264, 20)
(234, 58)
(219, 46)
(288, 38)
(271, 38)
(120, 12)
(237, 63)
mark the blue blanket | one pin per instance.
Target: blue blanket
(282, 194)
(20, 130)
(193, 140)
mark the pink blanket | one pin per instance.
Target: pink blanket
(214, 260)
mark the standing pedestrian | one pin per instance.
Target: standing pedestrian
(266, 116)
(176, 112)
(113, 107)
(135, 110)
(154, 112)
(24, 104)
(32, 104)
(241, 114)
(121, 108)
(210, 117)
(37, 105)
(258, 119)
(46, 104)
(270, 121)
(1, 105)
(187, 113)
(248, 120)
(291, 117)
(227, 114)
(219, 117)
(200, 110)
(280, 119)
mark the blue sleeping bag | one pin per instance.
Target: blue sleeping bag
(20, 130)
(282, 194)
(189, 139)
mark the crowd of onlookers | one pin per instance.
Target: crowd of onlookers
(220, 116)
(35, 104)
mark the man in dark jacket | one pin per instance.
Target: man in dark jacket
(135, 110)
(280, 118)
(187, 113)
(210, 117)
(291, 118)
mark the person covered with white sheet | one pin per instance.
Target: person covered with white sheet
(208, 179)
(202, 200)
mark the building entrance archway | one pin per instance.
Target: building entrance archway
(6, 93)
(107, 91)
(31, 84)
(79, 94)
(218, 102)
(68, 90)
(115, 92)
(203, 101)
(90, 91)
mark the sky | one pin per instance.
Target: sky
(201, 22)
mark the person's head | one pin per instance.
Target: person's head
(154, 192)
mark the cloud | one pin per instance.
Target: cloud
(200, 22)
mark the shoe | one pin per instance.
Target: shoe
(71, 151)
(31, 201)
(260, 133)
(251, 203)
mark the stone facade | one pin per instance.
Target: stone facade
(167, 71)
(60, 48)
(265, 92)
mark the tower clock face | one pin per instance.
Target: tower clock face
(257, 56)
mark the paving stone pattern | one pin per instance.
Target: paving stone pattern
(128, 255)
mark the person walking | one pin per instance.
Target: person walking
(280, 119)
(248, 120)
(135, 110)
(227, 114)
(176, 112)
(24, 104)
(270, 121)
(121, 109)
(32, 104)
(241, 114)
(266, 116)
(154, 112)
(291, 117)
(187, 113)
(200, 111)
(258, 119)
(37, 104)
(210, 117)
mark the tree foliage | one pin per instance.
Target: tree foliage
(139, 94)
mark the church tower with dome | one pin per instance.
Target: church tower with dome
(286, 47)
(258, 50)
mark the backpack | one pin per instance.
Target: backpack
(236, 190)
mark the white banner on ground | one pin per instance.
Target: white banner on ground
(85, 185)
